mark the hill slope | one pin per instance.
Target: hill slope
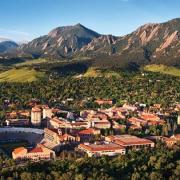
(20, 75)
(163, 69)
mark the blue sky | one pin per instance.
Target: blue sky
(26, 19)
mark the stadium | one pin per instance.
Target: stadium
(31, 135)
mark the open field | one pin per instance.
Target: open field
(163, 69)
(20, 75)
(38, 61)
(32, 62)
(92, 72)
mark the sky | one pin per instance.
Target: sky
(24, 20)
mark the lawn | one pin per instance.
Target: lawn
(20, 75)
(163, 69)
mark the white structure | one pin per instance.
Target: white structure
(47, 112)
(36, 116)
(178, 120)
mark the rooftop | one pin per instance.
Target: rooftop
(19, 150)
(36, 109)
(129, 140)
(148, 116)
(101, 147)
(36, 150)
(87, 131)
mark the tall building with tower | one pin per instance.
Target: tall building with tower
(36, 116)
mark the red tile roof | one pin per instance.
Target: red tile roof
(133, 119)
(128, 140)
(147, 116)
(36, 150)
(79, 123)
(101, 147)
(36, 109)
(87, 131)
(19, 150)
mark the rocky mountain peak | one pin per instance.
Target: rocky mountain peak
(62, 41)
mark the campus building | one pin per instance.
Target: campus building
(47, 112)
(38, 153)
(106, 148)
(36, 116)
(88, 134)
(130, 142)
(56, 123)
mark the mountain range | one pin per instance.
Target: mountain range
(6, 45)
(150, 43)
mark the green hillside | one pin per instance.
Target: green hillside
(163, 69)
(20, 75)
(32, 62)
(92, 72)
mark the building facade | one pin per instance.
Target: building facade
(36, 116)
(108, 149)
(130, 142)
(35, 154)
(47, 112)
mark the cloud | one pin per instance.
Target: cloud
(15, 34)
